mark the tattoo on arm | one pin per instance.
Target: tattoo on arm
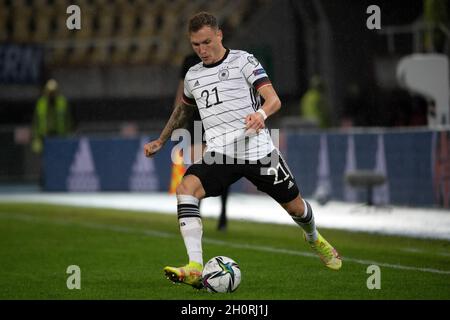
(180, 115)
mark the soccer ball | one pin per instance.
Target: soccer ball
(221, 274)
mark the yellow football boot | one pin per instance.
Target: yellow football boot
(190, 274)
(329, 256)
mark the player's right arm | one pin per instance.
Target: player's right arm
(180, 115)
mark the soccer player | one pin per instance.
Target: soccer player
(190, 61)
(226, 87)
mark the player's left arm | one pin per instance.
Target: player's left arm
(272, 104)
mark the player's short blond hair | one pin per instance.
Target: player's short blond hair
(202, 19)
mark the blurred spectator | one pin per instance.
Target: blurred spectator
(395, 107)
(51, 116)
(313, 104)
(353, 104)
(435, 14)
(419, 110)
(401, 108)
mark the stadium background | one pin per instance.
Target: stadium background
(120, 72)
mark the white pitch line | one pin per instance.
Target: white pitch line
(425, 223)
(162, 234)
(416, 250)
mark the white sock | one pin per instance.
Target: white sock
(191, 227)
(307, 223)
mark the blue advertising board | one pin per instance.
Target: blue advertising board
(416, 165)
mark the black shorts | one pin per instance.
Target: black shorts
(271, 177)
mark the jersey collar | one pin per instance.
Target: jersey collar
(215, 64)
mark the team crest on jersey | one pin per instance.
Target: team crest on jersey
(253, 60)
(223, 74)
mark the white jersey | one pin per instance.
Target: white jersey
(225, 93)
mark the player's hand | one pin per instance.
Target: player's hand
(254, 123)
(151, 148)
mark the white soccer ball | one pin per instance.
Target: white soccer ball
(221, 274)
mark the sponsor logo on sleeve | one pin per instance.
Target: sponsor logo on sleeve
(258, 72)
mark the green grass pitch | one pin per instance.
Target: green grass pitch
(121, 256)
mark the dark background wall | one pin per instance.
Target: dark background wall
(276, 33)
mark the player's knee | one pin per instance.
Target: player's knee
(296, 212)
(295, 207)
(191, 185)
(184, 189)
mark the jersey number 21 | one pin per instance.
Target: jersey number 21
(205, 93)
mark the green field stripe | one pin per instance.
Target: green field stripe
(162, 234)
(98, 226)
